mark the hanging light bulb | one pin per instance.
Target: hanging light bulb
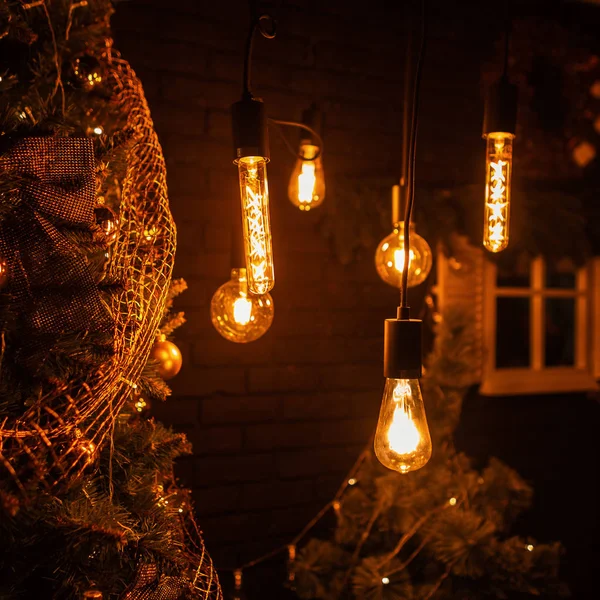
(389, 256)
(499, 125)
(238, 315)
(402, 440)
(306, 189)
(497, 190)
(251, 156)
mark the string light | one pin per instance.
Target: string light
(385, 580)
(529, 547)
(452, 501)
(352, 481)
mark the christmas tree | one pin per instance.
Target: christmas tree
(89, 504)
(439, 532)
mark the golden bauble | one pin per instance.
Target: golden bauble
(108, 221)
(168, 357)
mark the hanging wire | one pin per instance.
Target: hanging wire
(412, 158)
(507, 36)
(314, 133)
(349, 480)
(267, 27)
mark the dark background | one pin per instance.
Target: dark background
(276, 424)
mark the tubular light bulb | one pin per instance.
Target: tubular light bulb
(402, 440)
(254, 191)
(238, 315)
(389, 257)
(306, 189)
(497, 190)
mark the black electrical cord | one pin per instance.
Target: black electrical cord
(507, 34)
(315, 134)
(411, 162)
(260, 22)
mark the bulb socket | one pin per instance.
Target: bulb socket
(500, 108)
(249, 126)
(402, 357)
(311, 117)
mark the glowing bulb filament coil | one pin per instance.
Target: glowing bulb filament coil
(497, 191)
(258, 249)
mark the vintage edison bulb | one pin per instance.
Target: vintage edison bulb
(306, 189)
(402, 441)
(389, 257)
(238, 315)
(497, 190)
(254, 191)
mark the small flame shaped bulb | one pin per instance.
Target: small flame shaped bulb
(402, 440)
(306, 189)
(251, 154)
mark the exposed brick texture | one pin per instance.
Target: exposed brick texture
(276, 424)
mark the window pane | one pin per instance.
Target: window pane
(560, 332)
(512, 332)
(514, 273)
(561, 275)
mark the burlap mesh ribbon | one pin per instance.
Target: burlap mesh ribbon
(50, 281)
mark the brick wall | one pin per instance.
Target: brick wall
(275, 424)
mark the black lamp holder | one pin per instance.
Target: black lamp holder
(500, 107)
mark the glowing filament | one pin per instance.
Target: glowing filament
(306, 182)
(242, 310)
(403, 435)
(497, 191)
(399, 260)
(257, 229)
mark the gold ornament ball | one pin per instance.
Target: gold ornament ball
(108, 221)
(169, 359)
(3, 273)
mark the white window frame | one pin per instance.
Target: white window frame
(537, 378)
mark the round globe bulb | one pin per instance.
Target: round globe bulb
(389, 258)
(238, 315)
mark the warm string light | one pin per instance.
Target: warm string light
(254, 191)
(497, 191)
